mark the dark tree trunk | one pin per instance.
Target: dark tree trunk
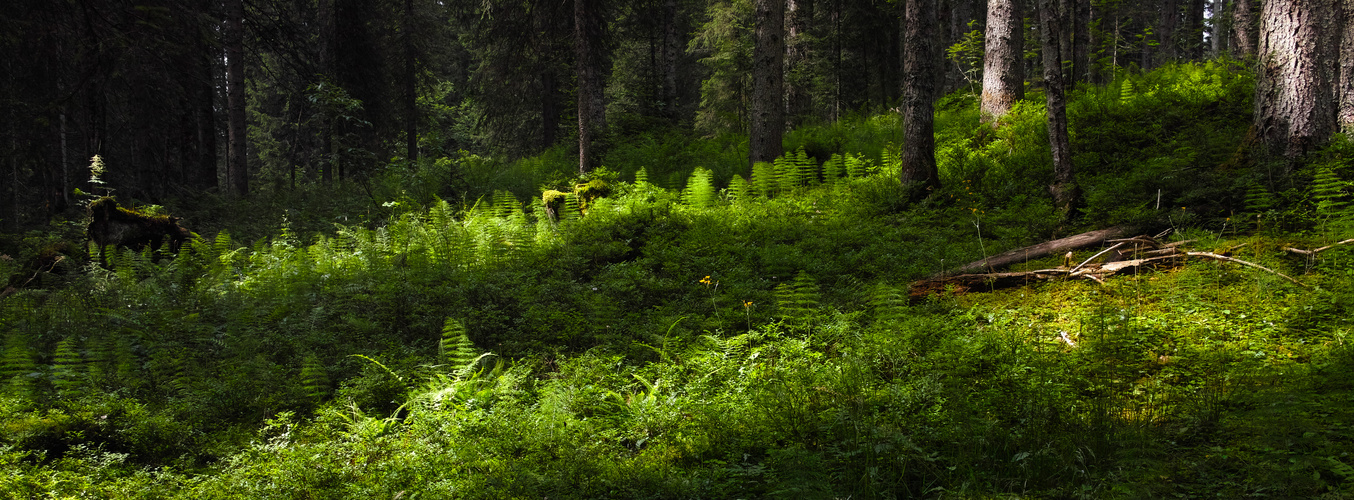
(1166, 32)
(921, 59)
(799, 17)
(328, 41)
(550, 112)
(588, 31)
(1064, 189)
(237, 172)
(410, 85)
(1218, 31)
(672, 48)
(1346, 116)
(1003, 60)
(1081, 40)
(1193, 37)
(768, 111)
(1293, 92)
(1243, 28)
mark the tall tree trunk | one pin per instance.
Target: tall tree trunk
(799, 17)
(1067, 27)
(1293, 92)
(672, 47)
(768, 111)
(1243, 28)
(410, 85)
(1218, 31)
(550, 112)
(1081, 41)
(328, 40)
(588, 31)
(1167, 38)
(921, 60)
(237, 172)
(1193, 35)
(1003, 59)
(1064, 189)
(1346, 116)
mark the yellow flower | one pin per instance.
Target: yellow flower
(747, 304)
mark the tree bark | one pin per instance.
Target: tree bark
(1294, 101)
(1218, 31)
(1044, 249)
(672, 47)
(1003, 65)
(1192, 37)
(1166, 35)
(410, 85)
(799, 17)
(237, 172)
(588, 31)
(1064, 189)
(921, 59)
(768, 112)
(1346, 116)
(1243, 28)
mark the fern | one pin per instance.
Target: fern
(887, 303)
(18, 364)
(700, 189)
(805, 168)
(856, 166)
(1127, 91)
(505, 204)
(169, 368)
(1258, 202)
(787, 174)
(572, 209)
(763, 178)
(834, 168)
(739, 189)
(798, 300)
(641, 176)
(455, 348)
(1330, 194)
(314, 378)
(68, 370)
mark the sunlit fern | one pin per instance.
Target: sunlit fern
(19, 365)
(738, 189)
(834, 168)
(455, 349)
(763, 178)
(700, 189)
(1331, 194)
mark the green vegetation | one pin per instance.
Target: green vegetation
(680, 330)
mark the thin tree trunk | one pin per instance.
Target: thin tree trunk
(1218, 30)
(410, 85)
(1294, 98)
(921, 58)
(237, 173)
(768, 112)
(1064, 189)
(1003, 64)
(1193, 36)
(591, 100)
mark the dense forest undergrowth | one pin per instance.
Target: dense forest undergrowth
(672, 327)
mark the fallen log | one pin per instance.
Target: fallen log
(1044, 249)
(1311, 253)
(983, 282)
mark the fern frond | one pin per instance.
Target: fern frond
(1127, 91)
(455, 348)
(700, 189)
(314, 378)
(763, 178)
(68, 370)
(833, 168)
(797, 300)
(641, 176)
(887, 303)
(738, 188)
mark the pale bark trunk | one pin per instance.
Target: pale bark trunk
(1346, 116)
(1243, 28)
(1003, 65)
(1294, 109)
(1064, 187)
(921, 58)
(768, 55)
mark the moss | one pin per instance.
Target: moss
(594, 189)
(553, 201)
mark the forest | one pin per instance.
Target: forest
(676, 249)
